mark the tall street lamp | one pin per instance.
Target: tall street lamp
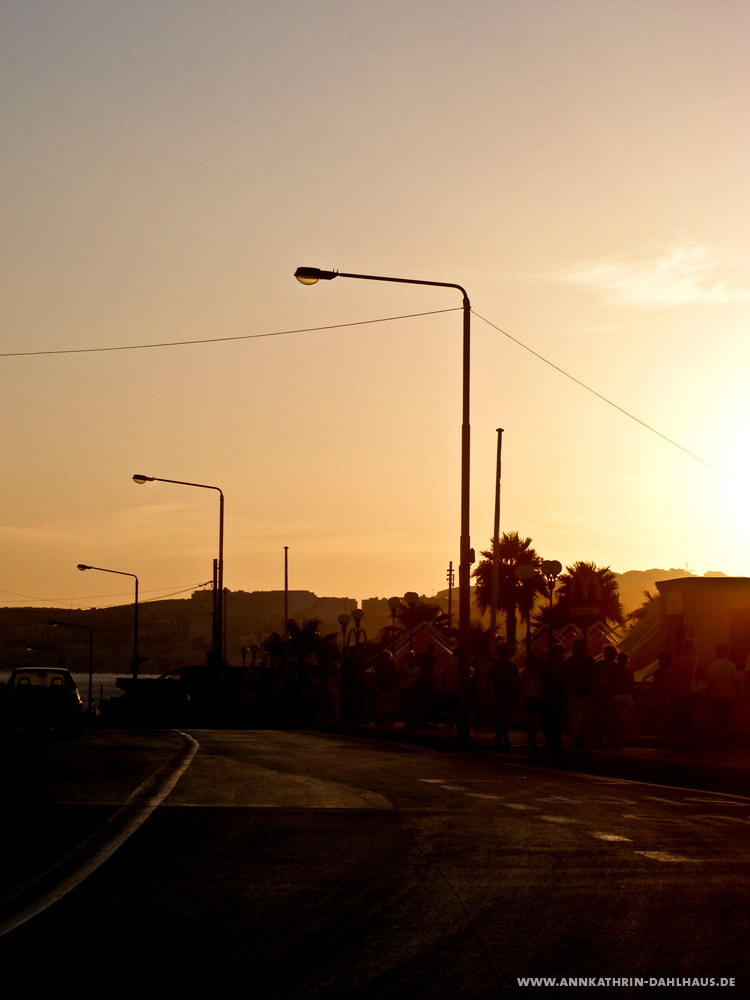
(311, 275)
(119, 572)
(218, 610)
(90, 631)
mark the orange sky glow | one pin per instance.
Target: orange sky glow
(581, 168)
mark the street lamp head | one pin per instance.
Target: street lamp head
(82, 567)
(142, 479)
(312, 275)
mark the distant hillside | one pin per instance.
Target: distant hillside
(635, 583)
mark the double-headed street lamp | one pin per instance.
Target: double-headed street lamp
(311, 275)
(355, 632)
(119, 572)
(217, 642)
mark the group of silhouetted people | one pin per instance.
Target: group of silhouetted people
(555, 693)
(590, 699)
(682, 687)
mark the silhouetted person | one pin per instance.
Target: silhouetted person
(409, 678)
(426, 663)
(603, 698)
(503, 688)
(661, 696)
(386, 688)
(724, 690)
(449, 687)
(352, 690)
(333, 693)
(685, 681)
(621, 698)
(584, 680)
(531, 694)
(555, 691)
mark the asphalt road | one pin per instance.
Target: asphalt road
(290, 865)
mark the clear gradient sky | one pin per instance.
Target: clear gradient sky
(582, 167)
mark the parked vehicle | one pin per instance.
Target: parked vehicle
(42, 698)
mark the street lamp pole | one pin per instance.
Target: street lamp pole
(119, 572)
(496, 546)
(218, 622)
(311, 275)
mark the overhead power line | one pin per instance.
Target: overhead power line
(218, 340)
(368, 322)
(604, 399)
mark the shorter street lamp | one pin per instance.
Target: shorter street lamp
(91, 654)
(343, 621)
(100, 569)
(218, 609)
(394, 603)
(60, 653)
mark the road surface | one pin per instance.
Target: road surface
(291, 865)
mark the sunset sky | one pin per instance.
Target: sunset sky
(581, 167)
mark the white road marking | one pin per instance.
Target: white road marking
(611, 837)
(664, 856)
(719, 820)
(100, 846)
(719, 802)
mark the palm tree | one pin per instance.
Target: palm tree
(592, 585)
(308, 646)
(512, 594)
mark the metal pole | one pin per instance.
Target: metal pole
(464, 570)
(286, 610)
(220, 598)
(496, 546)
(135, 634)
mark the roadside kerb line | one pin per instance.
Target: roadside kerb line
(39, 893)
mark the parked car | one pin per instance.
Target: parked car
(42, 698)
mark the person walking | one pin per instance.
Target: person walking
(409, 682)
(531, 695)
(604, 720)
(686, 687)
(555, 692)
(661, 696)
(449, 688)
(386, 688)
(621, 697)
(503, 689)
(724, 690)
(584, 678)
(426, 708)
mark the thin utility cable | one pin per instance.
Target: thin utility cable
(603, 398)
(367, 322)
(92, 597)
(221, 340)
